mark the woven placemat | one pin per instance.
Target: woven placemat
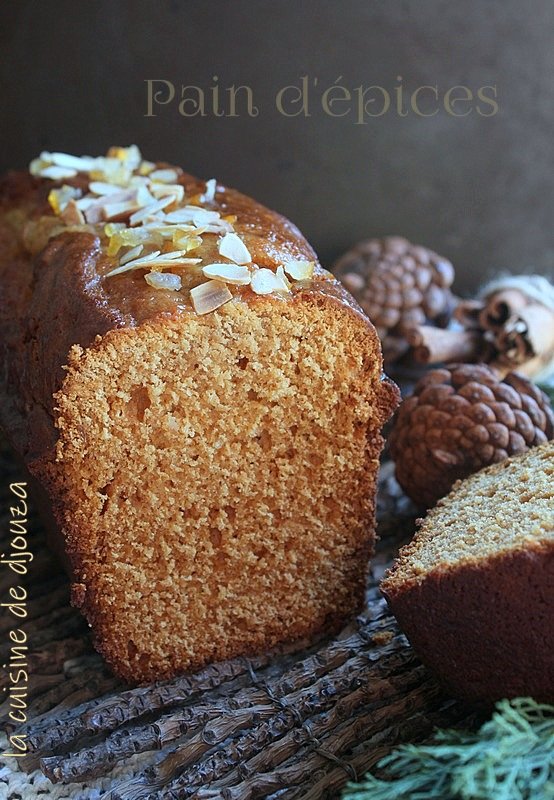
(289, 724)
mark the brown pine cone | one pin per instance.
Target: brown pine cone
(460, 419)
(399, 285)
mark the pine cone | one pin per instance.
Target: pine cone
(460, 419)
(399, 285)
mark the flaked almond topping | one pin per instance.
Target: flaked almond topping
(155, 260)
(131, 254)
(77, 163)
(228, 273)
(135, 264)
(101, 188)
(209, 191)
(161, 262)
(131, 155)
(209, 296)
(132, 196)
(121, 236)
(116, 168)
(59, 198)
(84, 203)
(146, 167)
(195, 214)
(222, 226)
(264, 281)
(232, 247)
(151, 210)
(300, 270)
(57, 173)
(171, 256)
(163, 280)
(283, 280)
(110, 211)
(96, 211)
(166, 189)
(164, 175)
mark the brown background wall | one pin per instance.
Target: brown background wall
(478, 189)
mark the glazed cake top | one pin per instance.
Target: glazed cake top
(164, 240)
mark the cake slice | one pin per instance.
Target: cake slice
(202, 401)
(474, 590)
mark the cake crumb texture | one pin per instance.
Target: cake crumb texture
(219, 475)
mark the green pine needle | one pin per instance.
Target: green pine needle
(511, 757)
(548, 389)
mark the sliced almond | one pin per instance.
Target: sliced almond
(143, 195)
(151, 210)
(163, 280)
(146, 167)
(209, 191)
(38, 164)
(209, 296)
(195, 214)
(264, 281)
(94, 214)
(131, 254)
(130, 155)
(221, 226)
(165, 189)
(300, 270)
(57, 173)
(161, 262)
(115, 211)
(101, 188)
(174, 254)
(164, 175)
(135, 264)
(232, 247)
(228, 273)
(78, 163)
(282, 280)
(59, 198)
(170, 231)
(96, 211)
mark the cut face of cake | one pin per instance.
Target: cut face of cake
(474, 590)
(223, 468)
(203, 403)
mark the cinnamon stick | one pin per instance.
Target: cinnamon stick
(468, 312)
(435, 345)
(500, 306)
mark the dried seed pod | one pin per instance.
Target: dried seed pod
(460, 419)
(399, 285)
